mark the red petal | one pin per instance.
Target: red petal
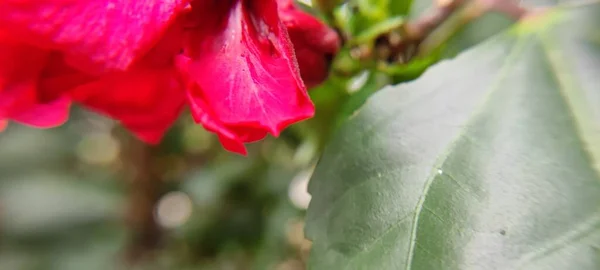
(146, 101)
(202, 114)
(20, 69)
(246, 74)
(58, 78)
(3, 124)
(94, 34)
(314, 42)
(48, 115)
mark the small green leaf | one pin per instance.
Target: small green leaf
(374, 9)
(378, 29)
(400, 7)
(488, 161)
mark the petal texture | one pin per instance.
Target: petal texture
(95, 35)
(147, 99)
(244, 78)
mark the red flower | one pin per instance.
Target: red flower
(91, 36)
(138, 61)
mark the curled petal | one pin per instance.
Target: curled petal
(95, 35)
(21, 67)
(245, 76)
(230, 140)
(58, 78)
(314, 42)
(45, 115)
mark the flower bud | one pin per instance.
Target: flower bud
(314, 42)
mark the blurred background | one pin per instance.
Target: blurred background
(89, 196)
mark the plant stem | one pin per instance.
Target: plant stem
(145, 191)
(452, 16)
(508, 7)
(419, 29)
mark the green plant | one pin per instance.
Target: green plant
(488, 160)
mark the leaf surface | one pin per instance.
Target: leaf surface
(488, 161)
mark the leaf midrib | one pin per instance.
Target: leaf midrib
(504, 70)
(579, 110)
(503, 73)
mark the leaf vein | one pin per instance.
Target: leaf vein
(495, 85)
(380, 237)
(580, 231)
(578, 109)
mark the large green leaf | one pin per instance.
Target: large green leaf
(488, 161)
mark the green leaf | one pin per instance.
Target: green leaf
(375, 9)
(378, 29)
(488, 161)
(400, 7)
(372, 82)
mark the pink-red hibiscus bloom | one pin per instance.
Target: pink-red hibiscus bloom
(242, 66)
